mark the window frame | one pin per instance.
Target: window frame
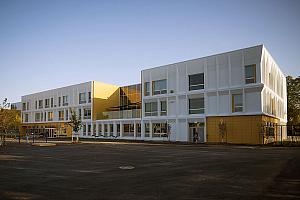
(196, 85)
(236, 108)
(160, 91)
(193, 111)
(253, 77)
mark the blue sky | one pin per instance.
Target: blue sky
(49, 44)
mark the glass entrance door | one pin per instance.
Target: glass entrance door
(196, 132)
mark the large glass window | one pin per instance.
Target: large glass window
(47, 103)
(237, 103)
(147, 130)
(52, 102)
(61, 115)
(160, 87)
(196, 81)
(151, 109)
(163, 108)
(40, 104)
(50, 116)
(90, 97)
(65, 100)
(250, 74)
(26, 117)
(82, 98)
(37, 117)
(87, 113)
(196, 106)
(159, 129)
(146, 88)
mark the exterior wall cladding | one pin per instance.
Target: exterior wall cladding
(192, 101)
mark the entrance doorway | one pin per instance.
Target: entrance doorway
(196, 132)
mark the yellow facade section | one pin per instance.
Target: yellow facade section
(239, 129)
(104, 97)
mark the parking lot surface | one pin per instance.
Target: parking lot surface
(148, 171)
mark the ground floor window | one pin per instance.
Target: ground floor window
(159, 129)
(147, 130)
(128, 130)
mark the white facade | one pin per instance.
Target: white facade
(224, 77)
(177, 97)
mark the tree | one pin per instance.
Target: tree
(9, 121)
(76, 124)
(222, 129)
(293, 100)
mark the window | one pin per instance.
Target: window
(105, 128)
(87, 113)
(196, 106)
(250, 74)
(89, 129)
(79, 113)
(61, 115)
(67, 114)
(147, 130)
(84, 129)
(47, 103)
(52, 102)
(28, 106)
(146, 88)
(90, 97)
(59, 101)
(40, 104)
(41, 116)
(50, 116)
(237, 103)
(163, 108)
(151, 109)
(37, 117)
(65, 100)
(26, 117)
(160, 87)
(23, 106)
(82, 98)
(99, 128)
(196, 81)
(158, 129)
(36, 105)
(111, 128)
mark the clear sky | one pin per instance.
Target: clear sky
(46, 44)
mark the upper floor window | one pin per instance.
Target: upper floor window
(52, 102)
(40, 104)
(160, 87)
(67, 114)
(61, 115)
(196, 106)
(82, 98)
(65, 100)
(37, 117)
(87, 113)
(250, 74)
(59, 101)
(146, 88)
(196, 81)
(50, 116)
(151, 109)
(90, 97)
(47, 103)
(26, 117)
(163, 108)
(237, 103)
(23, 106)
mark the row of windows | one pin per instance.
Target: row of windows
(158, 129)
(62, 115)
(196, 106)
(62, 101)
(196, 82)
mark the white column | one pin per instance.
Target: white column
(115, 128)
(134, 129)
(142, 129)
(102, 129)
(121, 129)
(150, 129)
(97, 129)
